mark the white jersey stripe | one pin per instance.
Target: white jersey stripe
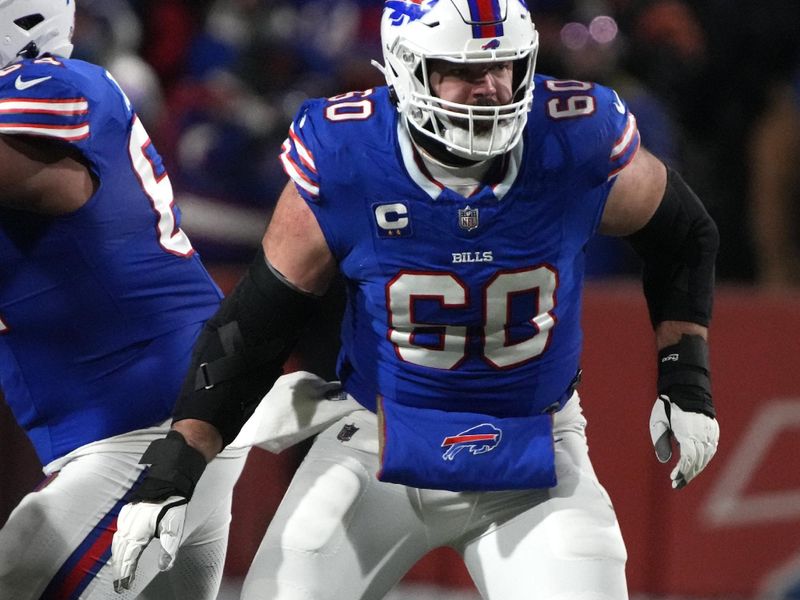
(625, 140)
(71, 133)
(77, 106)
(302, 151)
(297, 175)
(628, 161)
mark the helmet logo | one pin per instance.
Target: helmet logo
(406, 11)
(491, 45)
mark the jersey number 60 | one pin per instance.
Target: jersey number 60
(499, 349)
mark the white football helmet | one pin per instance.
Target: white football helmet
(30, 28)
(463, 31)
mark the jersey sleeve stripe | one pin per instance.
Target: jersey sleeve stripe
(295, 173)
(65, 107)
(627, 161)
(625, 140)
(70, 133)
(305, 156)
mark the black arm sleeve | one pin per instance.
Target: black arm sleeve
(679, 247)
(241, 349)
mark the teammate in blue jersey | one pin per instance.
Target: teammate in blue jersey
(101, 300)
(457, 203)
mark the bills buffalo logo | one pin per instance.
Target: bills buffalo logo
(491, 45)
(478, 440)
(406, 11)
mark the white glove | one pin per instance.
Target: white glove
(697, 435)
(137, 524)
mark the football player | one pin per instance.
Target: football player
(101, 301)
(457, 202)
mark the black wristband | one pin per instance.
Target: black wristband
(684, 375)
(175, 468)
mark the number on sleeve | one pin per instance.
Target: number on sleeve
(352, 106)
(570, 107)
(574, 105)
(10, 69)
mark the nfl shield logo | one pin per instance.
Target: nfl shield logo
(468, 218)
(347, 432)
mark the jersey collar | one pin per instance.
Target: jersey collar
(422, 177)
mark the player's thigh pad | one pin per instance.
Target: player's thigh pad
(564, 544)
(339, 532)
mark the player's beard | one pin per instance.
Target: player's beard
(485, 135)
(480, 126)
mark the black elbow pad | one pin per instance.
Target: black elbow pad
(679, 248)
(242, 348)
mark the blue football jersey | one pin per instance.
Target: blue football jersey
(98, 308)
(454, 303)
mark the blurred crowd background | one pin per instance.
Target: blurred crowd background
(715, 86)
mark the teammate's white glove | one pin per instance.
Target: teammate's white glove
(157, 507)
(138, 523)
(697, 435)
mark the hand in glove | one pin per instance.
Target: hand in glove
(683, 409)
(697, 435)
(137, 524)
(157, 507)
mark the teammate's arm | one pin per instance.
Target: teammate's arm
(668, 226)
(294, 247)
(235, 362)
(43, 176)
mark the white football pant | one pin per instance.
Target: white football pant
(57, 542)
(340, 534)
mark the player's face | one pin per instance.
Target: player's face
(476, 84)
(487, 84)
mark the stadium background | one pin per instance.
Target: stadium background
(715, 85)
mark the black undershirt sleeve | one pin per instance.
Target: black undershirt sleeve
(679, 247)
(241, 349)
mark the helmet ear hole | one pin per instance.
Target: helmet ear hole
(29, 22)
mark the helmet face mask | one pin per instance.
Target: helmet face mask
(466, 32)
(30, 28)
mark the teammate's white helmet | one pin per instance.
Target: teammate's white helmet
(464, 31)
(30, 28)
